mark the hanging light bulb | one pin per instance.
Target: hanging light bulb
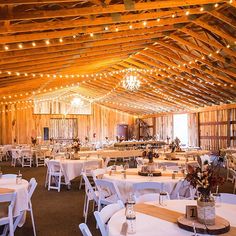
(76, 102)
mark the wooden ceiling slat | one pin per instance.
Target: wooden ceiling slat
(115, 8)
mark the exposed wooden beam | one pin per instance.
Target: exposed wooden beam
(85, 11)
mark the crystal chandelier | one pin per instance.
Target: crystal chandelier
(131, 82)
(76, 102)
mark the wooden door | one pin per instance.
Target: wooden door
(122, 131)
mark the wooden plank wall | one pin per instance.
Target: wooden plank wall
(18, 121)
(212, 130)
(217, 129)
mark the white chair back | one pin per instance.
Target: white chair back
(84, 229)
(148, 197)
(108, 192)
(98, 173)
(139, 161)
(149, 186)
(6, 176)
(89, 191)
(105, 214)
(106, 162)
(32, 186)
(15, 154)
(183, 190)
(228, 198)
(8, 219)
(54, 166)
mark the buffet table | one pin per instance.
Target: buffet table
(164, 224)
(139, 143)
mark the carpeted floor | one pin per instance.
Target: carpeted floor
(58, 214)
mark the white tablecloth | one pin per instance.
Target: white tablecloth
(73, 168)
(21, 193)
(152, 226)
(125, 186)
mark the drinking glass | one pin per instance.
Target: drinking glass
(217, 198)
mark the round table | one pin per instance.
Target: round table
(21, 190)
(73, 168)
(159, 227)
(125, 186)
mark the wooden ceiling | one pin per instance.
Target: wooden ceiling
(186, 50)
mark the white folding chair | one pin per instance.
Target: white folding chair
(6, 214)
(90, 195)
(107, 159)
(47, 173)
(98, 173)
(108, 192)
(228, 198)
(6, 176)
(183, 190)
(85, 230)
(15, 157)
(31, 188)
(105, 214)
(148, 197)
(26, 158)
(88, 168)
(139, 161)
(147, 187)
(229, 165)
(54, 175)
(40, 158)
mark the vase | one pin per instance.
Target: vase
(206, 210)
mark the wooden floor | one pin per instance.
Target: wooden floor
(58, 214)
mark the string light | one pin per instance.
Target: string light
(20, 46)
(144, 23)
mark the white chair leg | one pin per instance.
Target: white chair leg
(59, 183)
(32, 219)
(81, 182)
(46, 180)
(86, 214)
(49, 181)
(11, 228)
(85, 202)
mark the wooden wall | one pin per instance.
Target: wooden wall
(18, 121)
(217, 129)
(212, 130)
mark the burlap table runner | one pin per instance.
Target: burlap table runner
(162, 174)
(6, 190)
(168, 215)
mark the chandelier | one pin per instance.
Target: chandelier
(76, 102)
(131, 82)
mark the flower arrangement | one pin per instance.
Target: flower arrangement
(76, 145)
(205, 179)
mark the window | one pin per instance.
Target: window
(181, 128)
